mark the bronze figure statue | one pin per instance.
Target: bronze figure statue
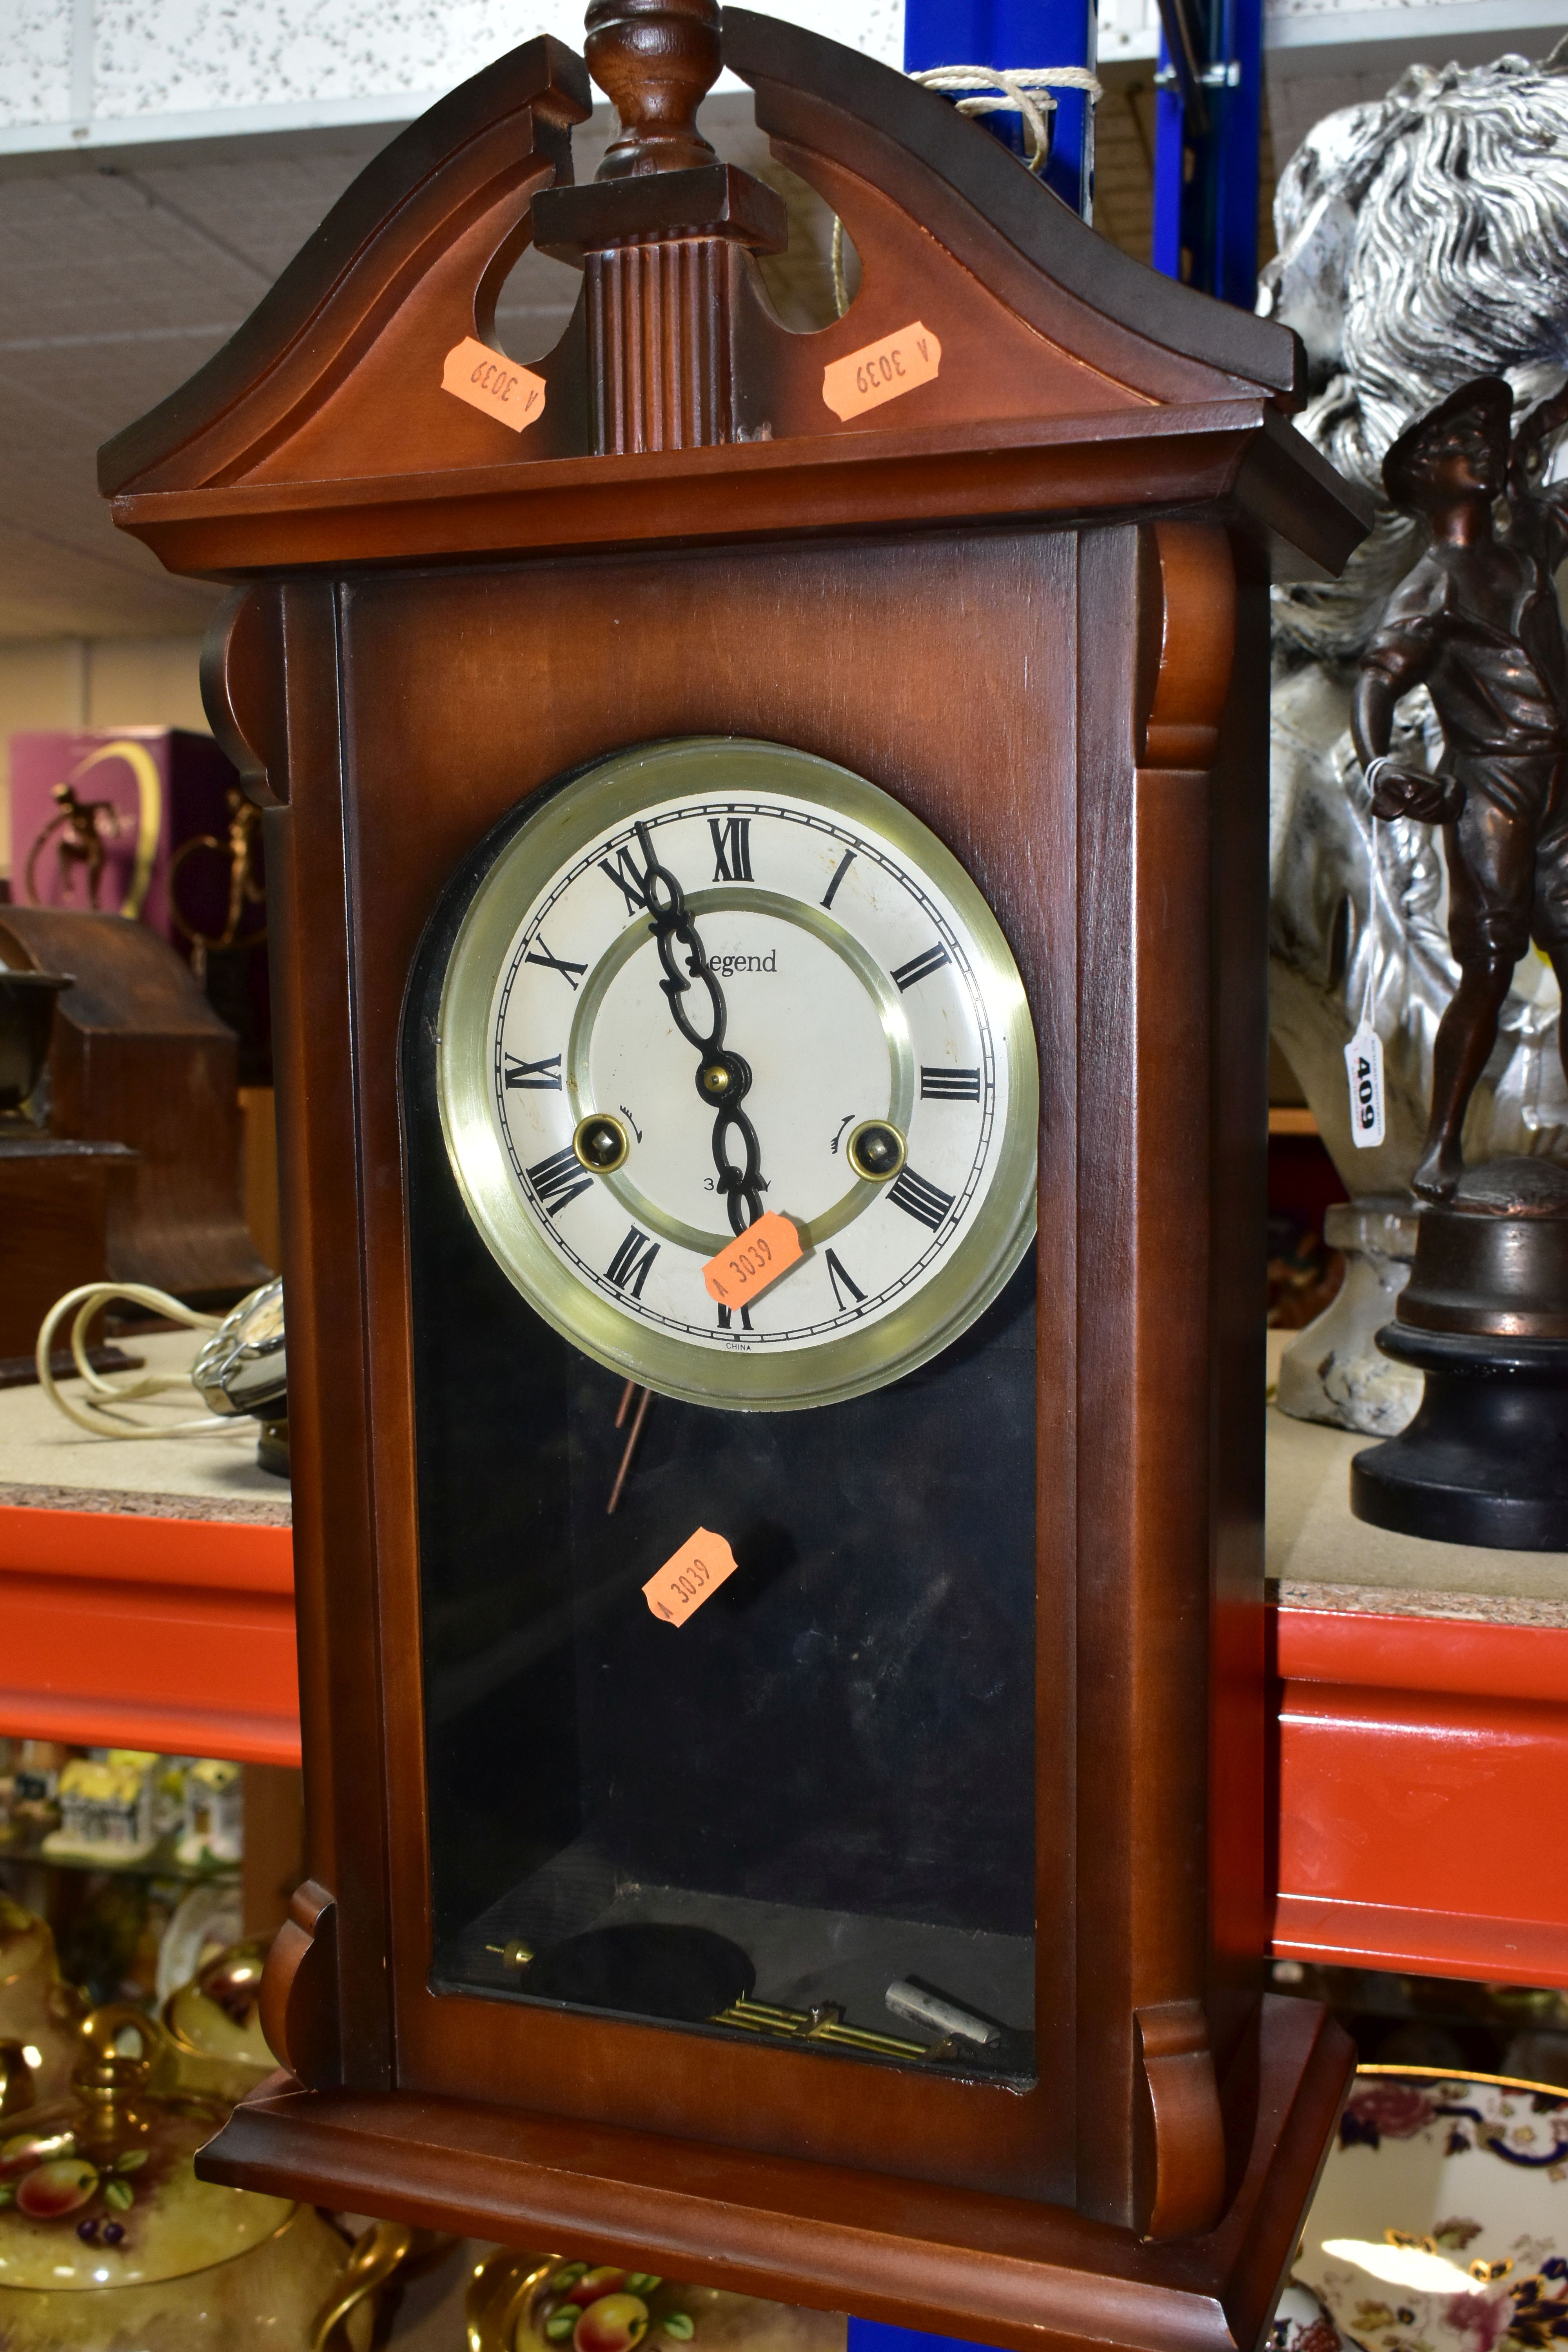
(79, 832)
(1476, 622)
(245, 883)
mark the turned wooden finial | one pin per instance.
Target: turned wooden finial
(655, 61)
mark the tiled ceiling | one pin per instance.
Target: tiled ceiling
(114, 286)
(118, 278)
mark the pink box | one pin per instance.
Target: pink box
(150, 827)
(142, 794)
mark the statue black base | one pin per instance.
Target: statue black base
(1485, 1461)
(1485, 1317)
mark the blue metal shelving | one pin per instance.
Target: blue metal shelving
(1017, 33)
(1209, 118)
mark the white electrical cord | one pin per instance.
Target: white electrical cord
(105, 1420)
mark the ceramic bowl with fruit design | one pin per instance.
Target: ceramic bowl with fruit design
(215, 2024)
(39, 2013)
(543, 2303)
(107, 2237)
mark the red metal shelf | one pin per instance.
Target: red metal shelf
(1423, 1795)
(125, 1629)
(1423, 1760)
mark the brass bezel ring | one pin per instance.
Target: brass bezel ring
(852, 1362)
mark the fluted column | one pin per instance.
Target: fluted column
(661, 234)
(658, 344)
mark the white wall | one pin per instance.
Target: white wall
(95, 74)
(130, 70)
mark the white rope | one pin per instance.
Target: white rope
(992, 90)
(840, 292)
(105, 1420)
(1013, 89)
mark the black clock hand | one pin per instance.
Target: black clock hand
(723, 1076)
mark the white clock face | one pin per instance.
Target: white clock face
(861, 1063)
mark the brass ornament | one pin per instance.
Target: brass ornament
(601, 1143)
(876, 1150)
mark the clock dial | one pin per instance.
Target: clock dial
(710, 978)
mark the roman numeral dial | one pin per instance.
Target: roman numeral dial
(731, 848)
(541, 1077)
(627, 877)
(920, 967)
(949, 1085)
(845, 1287)
(559, 1181)
(690, 940)
(570, 972)
(628, 1269)
(926, 1202)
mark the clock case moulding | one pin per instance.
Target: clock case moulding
(1029, 600)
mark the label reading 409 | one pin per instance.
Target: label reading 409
(1364, 1069)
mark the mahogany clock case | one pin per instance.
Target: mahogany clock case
(1034, 611)
(921, 1499)
(421, 727)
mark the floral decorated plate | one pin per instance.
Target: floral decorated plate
(1441, 2222)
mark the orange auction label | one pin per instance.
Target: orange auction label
(489, 380)
(881, 372)
(684, 1583)
(753, 1259)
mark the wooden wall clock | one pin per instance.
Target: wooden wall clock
(725, 782)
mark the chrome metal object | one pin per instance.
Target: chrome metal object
(1423, 241)
(243, 1367)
